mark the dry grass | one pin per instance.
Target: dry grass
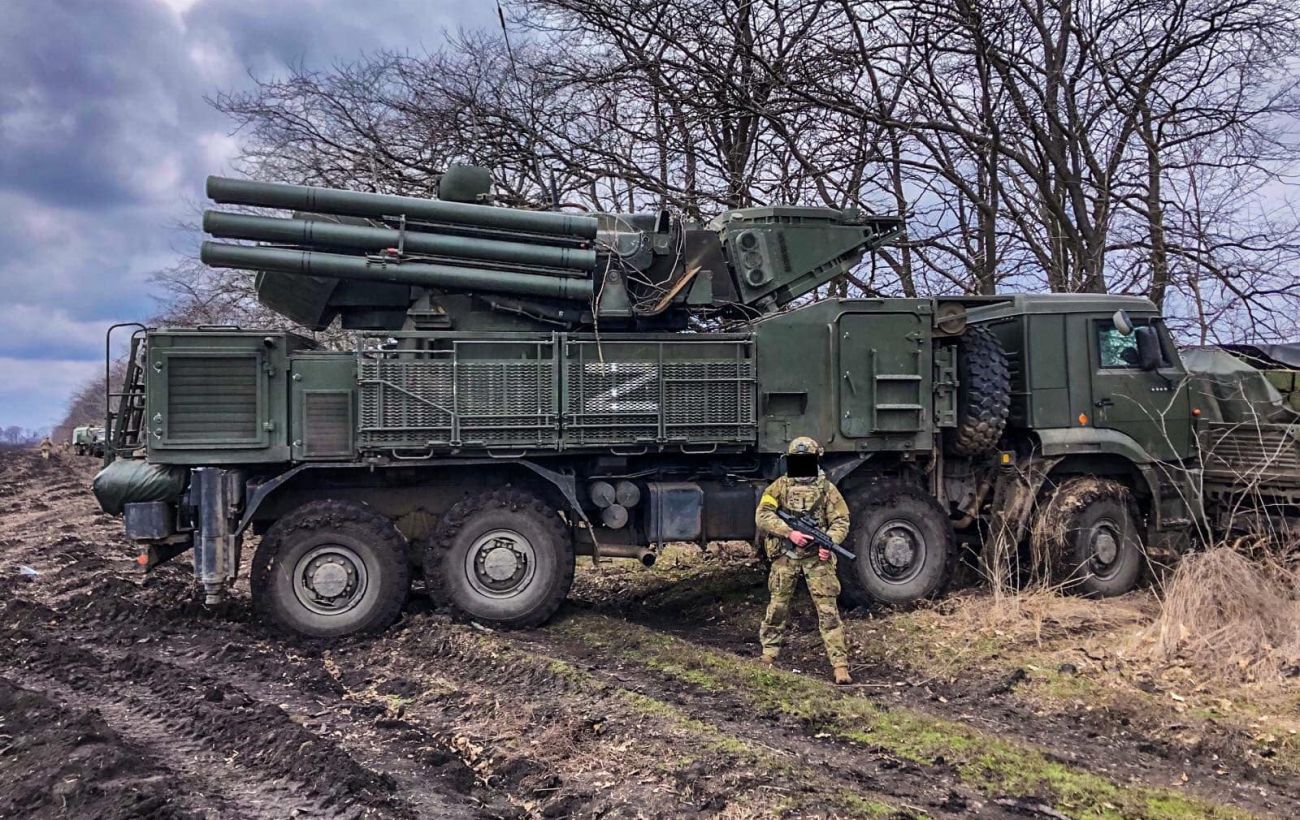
(1233, 611)
(1038, 614)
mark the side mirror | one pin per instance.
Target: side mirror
(1148, 348)
(1122, 322)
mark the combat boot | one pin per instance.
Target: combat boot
(842, 676)
(767, 660)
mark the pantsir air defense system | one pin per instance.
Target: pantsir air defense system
(527, 386)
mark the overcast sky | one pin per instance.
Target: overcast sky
(105, 141)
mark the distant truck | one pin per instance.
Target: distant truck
(527, 387)
(88, 440)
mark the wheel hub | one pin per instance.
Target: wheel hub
(330, 579)
(1105, 548)
(501, 563)
(897, 551)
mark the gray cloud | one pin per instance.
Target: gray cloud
(105, 140)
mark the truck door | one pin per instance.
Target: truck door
(1151, 406)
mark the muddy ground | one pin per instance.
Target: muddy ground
(121, 696)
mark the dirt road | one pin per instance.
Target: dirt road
(121, 696)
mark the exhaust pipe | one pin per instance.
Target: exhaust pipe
(645, 556)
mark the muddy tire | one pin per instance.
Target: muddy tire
(330, 569)
(1088, 532)
(983, 395)
(503, 558)
(904, 545)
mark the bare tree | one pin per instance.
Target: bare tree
(1031, 144)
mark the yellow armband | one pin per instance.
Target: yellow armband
(768, 501)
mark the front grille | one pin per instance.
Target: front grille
(327, 423)
(212, 398)
(1248, 453)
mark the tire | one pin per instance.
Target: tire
(1088, 532)
(320, 540)
(465, 562)
(904, 543)
(983, 393)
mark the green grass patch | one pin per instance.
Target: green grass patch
(994, 765)
(706, 735)
(866, 808)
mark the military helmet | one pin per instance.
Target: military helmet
(801, 459)
(804, 446)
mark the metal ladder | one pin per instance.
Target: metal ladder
(125, 424)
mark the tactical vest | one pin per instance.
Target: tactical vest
(804, 498)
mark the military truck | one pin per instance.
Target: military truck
(88, 440)
(526, 387)
(1116, 443)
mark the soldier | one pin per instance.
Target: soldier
(46, 447)
(803, 489)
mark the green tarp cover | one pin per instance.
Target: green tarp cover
(1227, 389)
(128, 481)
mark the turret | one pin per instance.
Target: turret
(387, 262)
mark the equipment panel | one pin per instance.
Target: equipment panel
(217, 394)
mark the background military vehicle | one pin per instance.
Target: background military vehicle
(87, 440)
(529, 386)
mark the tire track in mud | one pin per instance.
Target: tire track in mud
(155, 650)
(50, 753)
(219, 741)
(701, 764)
(193, 769)
(430, 718)
(934, 790)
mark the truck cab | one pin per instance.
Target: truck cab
(1101, 431)
(1074, 369)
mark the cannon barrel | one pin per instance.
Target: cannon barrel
(444, 277)
(311, 232)
(560, 227)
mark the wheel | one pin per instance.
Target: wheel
(329, 569)
(501, 557)
(983, 393)
(904, 545)
(1088, 533)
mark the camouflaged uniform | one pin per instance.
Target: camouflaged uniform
(818, 498)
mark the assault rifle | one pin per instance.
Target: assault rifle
(808, 527)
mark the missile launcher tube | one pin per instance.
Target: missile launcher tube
(311, 232)
(443, 277)
(569, 228)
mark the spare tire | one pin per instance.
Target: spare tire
(983, 393)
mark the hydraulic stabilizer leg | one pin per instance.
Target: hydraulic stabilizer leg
(217, 494)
